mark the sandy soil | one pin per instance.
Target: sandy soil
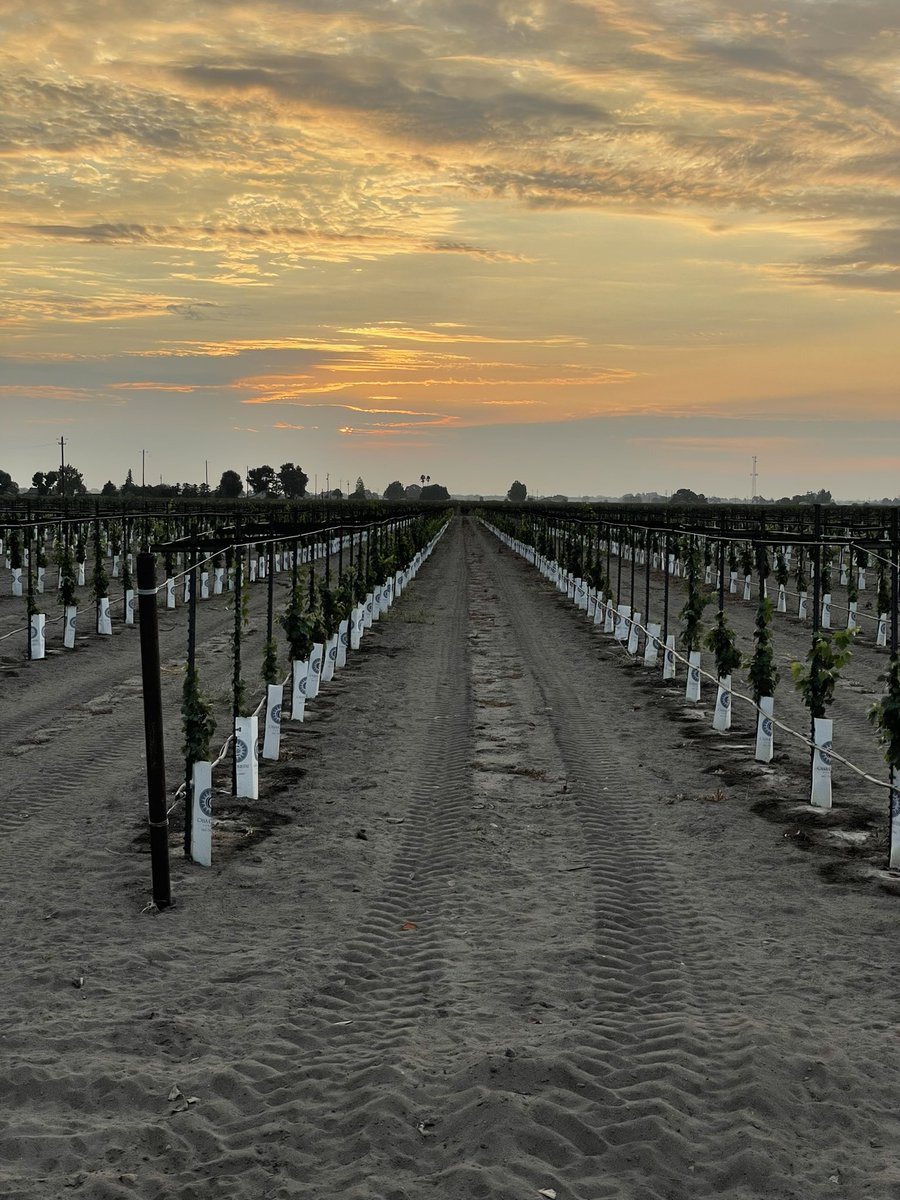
(504, 923)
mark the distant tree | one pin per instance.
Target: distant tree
(336, 494)
(230, 485)
(359, 492)
(70, 481)
(517, 493)
(394, 491)
(822, 496)
(109, 489)
(8, 486)
(129, 487)
(262, 480)
(293, 481)
(412, 491)
(686, 496)
(434, 491)
(44, 482)
(190, 489)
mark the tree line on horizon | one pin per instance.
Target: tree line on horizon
(289, 482)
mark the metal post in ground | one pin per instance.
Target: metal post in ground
(236, 683)
(157, 816)
(665, 566)
(633, 536)
(270, 607)
(30, 555)
(817, 568)
(817, 607)
(895, 571)
(648, 555)
(193, 575)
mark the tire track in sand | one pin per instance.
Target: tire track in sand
(707, 1088)
(533, 908)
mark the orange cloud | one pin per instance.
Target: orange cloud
(392, 329)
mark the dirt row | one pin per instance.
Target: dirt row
(858, 688)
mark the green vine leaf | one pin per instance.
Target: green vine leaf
(197, 721)
(816, 679)
(885, 714)
(763, 671)
(697, 600)
(721, 640)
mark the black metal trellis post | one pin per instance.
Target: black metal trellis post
(270, 598)
(311, 559)
(648, 563)
(817, 568)
(817, 605)
(895, 572)
(30, 555)
(633, 551)
(191, 667)
(236, 648)
(665, 570)
(153, 731)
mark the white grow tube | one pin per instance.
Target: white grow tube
(246, 734)
(765, 728)
(820, 794)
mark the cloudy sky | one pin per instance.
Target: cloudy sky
(597, 245)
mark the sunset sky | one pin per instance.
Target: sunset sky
(601, 246)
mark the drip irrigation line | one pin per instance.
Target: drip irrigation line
(223, 752)
(839, 607)
(55, 620)
(786, 728)
(181, 791)
(22, 629)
